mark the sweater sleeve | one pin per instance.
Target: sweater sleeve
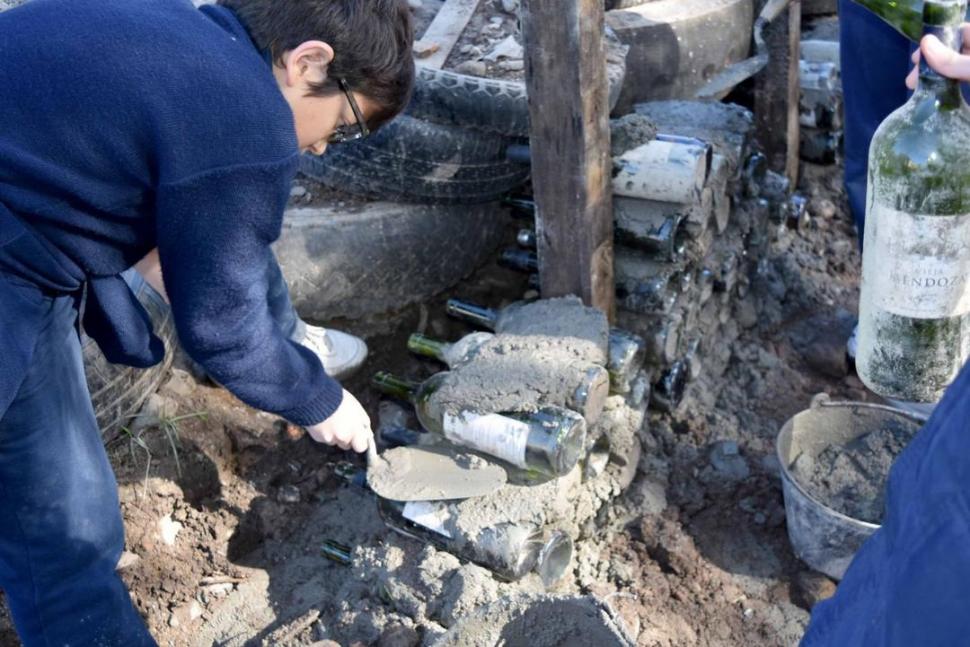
(214, 233)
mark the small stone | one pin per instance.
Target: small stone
(424, 48)
(510, 6)
(173, 620)
(127, 560)
(156, 408)
(169, 530)
(824, 209)
(415, 4)
(298, 191)
(288, 494)
(746, 313)
(727, 461)
(508, 48)
(217, 591)
(181, 383)
(325, 643)
(760, 518)
(472, 68)
(810, 588)
(399, 636)
(512, 66)
(748, 613)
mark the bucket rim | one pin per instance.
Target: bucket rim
(822, 400)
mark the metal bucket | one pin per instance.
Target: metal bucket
(539, 621)
(822, 537)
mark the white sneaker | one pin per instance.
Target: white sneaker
(341, 354)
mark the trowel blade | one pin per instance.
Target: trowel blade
(729, 77)
(432, 474)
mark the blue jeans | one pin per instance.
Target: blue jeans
(875, 62)
(61, 532)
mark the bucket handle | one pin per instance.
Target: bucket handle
(823, 400)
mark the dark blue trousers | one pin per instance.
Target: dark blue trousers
(875, 62)
(60, 524)
(61, 531)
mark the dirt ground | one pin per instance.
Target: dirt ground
(225, 526)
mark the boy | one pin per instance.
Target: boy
(127, 125)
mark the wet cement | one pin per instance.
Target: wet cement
(629, 132)
(852, 478)
(560, 323)
(430, 474)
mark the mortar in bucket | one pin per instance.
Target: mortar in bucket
(539, 621)
(825, 538)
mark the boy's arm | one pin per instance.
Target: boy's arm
(214, 235)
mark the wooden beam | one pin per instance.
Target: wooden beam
(570, 140)
(446, 28)
(777, 94)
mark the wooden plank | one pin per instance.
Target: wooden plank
(570, 140)
(776, 119)
(794, 92)
(446, 28)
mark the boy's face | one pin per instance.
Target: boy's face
(315, 118)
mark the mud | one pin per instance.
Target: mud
(852, 478)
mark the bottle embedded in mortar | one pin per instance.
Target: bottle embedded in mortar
(509, 550)
(586, 396)
(626, 350)
(914, 312)
(548, 441)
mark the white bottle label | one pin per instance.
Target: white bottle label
(491, 433)
(432, 516)
(917, 266)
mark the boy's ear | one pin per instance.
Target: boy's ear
(307, 62)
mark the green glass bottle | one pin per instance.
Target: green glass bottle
(549, 441)
(905, 16)
(914, 311)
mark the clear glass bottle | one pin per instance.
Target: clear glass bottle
(548, 441)
(507, 549)
(914, 311)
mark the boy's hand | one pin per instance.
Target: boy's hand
(348, 427)
(953, 65)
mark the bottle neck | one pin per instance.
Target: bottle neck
(394, 386)
(484, 317)
(428, 347)
(943, 21)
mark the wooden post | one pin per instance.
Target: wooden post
(570, 142)
(777, 93)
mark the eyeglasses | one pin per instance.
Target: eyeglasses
(349, 133)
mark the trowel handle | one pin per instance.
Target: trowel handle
(371, 450)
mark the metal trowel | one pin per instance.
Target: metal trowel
(739, 72)
(430, 474)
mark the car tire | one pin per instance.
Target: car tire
(358, 261)
(413, 160)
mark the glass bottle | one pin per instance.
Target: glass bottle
(509, 550)
(914, 311)
(548, 441)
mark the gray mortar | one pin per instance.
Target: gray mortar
(412, 474)
(528, 376)
(539, 621)
(585, 330)
(727, 127)
(630, 131)
(852, 478)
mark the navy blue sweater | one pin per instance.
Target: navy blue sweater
(131, 124)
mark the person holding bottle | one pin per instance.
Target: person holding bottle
(908, 584)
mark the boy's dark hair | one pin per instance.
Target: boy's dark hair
(371, 40)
